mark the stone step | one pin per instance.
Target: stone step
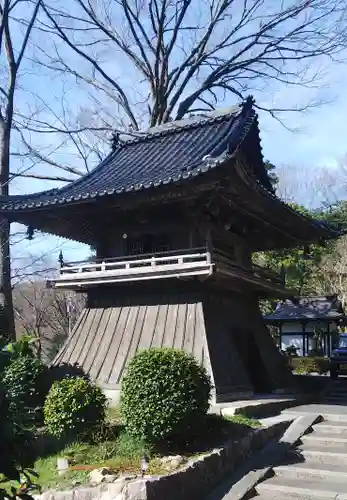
(317, 455)
(325, 443)
(280, 487)
(266, 497)
(336, 396)
(335, 400)
(312, 471)
(340, 389)
(330, 427)
(330, 412)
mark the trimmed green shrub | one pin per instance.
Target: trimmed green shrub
(21, 380)
(310, 365)
(165, 393)
(74, 407)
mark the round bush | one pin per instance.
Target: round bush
(74, 407)
(21, 380)
(165, 392)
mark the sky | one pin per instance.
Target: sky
(319, 141)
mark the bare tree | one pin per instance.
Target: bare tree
(331, 276)
(173, 57)
(46, 314)
(14, 39)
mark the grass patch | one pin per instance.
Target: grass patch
(242, 420)
(114, 415)
(115, 449)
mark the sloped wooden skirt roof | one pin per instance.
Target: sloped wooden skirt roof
(106, 337)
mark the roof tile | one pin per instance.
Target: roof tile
(178, 151)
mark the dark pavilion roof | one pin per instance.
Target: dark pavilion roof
(165, 154)
(188, 154)
(327, 307)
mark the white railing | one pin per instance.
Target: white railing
(172, 264)
(162, 265)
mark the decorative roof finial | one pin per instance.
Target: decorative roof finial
(61, 258)
(248, 102)
(115, 140)
(30, 232)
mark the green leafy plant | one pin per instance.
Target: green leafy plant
(21, 379)
(74, 407)
(310, 365)
(16, 456)
(165, 392)
(22, 347)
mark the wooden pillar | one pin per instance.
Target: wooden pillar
(327, 347)
(304, 339)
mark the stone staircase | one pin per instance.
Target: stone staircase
(337, 394)
(316, 469)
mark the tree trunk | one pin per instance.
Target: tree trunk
(7, 327)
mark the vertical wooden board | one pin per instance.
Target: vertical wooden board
(149, 326)
(140, 322)
(159, 329)
(75, 356)
(180, 326)
(188, 342)
(92, 336)
(200, 351)
(112, 356)
(98, 340)
(70, 343)
(124, 346)
(97, 371)
(170, 327)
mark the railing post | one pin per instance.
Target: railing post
(153, 262)
(209, 247)
(103, 266)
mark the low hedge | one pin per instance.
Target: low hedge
(309, 364)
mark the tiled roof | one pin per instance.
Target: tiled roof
(306, 308)
(163, 155)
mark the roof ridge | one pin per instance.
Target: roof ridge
(170, 130)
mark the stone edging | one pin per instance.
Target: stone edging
(195, 479)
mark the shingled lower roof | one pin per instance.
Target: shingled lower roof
(307, 308)
(168, 154)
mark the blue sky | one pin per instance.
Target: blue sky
(319, 142)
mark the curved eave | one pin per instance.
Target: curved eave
(28, 203)
(280, 213)
(303, 319)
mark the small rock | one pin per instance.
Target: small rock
(110, 478)
(172, 461)
(129, 477)
(103, 475)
